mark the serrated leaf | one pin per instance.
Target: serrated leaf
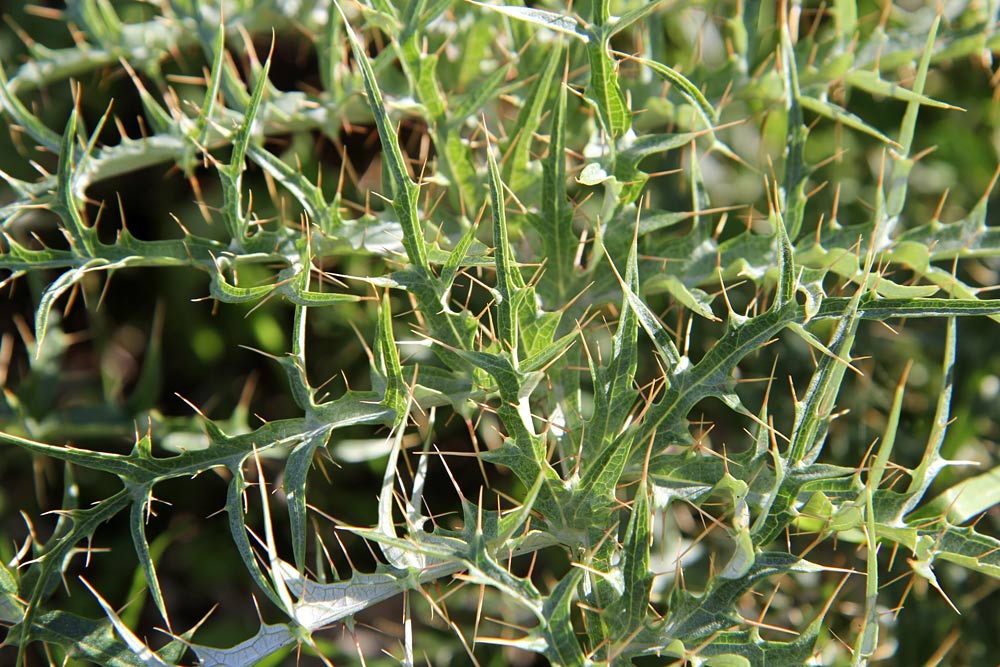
(212, 89)
(796, 172)
(403, 190)
(813, 411)
(687, 89)
(457, 256)
(294, 181)
(614, 395)
(387, 364)
(555, 224)
(509, 281)
(700, 616)
(562, 646)
(629, 614)
(141, 498)
(294, 485)
(231, 174)
(238, 530)
(645, 317)
(66, 206)
(604, 90)
(515, 167)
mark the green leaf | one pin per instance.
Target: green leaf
(631, 179)
(387, 365)
(11, 609)
(37, 130)
(931, 461)
(515, 167)
(403, 190)
(212, 90)
(66, 206)
(963, 501)
(815, 409)
(709, 116)
(268, 640)
(700, 616)
(306, 193)
(509, 280)
(141, 498)
(650, 323)
(614, 395)
(628, 614)
(635, 15)
(604, 90)
(842, 115)
(539, 17)
(294, 485)
(562, 645)
(88, 639)
(872, 83)
(231, 175)
(796, 172)
(55, 554)
(692, 298)
(555, 223)
(235, 503)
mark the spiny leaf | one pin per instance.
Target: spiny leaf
(841, 115)
(67, 281)
(143, 653)
(659, 335)
(515, 167)
(795, 166)
(555, 225)
(509, 282)
(95, 641)
(629, 614)
(964, 500)
(67, 207)
(709, 116)
(562, 646)
(268, 640)
(403, 190)
(232, 174)
(141, 498)
(872, 83)
(29, 121)
(212, 89)
(604, 90)
(294, 484)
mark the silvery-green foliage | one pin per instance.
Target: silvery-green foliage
(545, 138)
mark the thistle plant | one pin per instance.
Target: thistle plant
(655, 312)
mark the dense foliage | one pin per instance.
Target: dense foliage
(449, 332)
